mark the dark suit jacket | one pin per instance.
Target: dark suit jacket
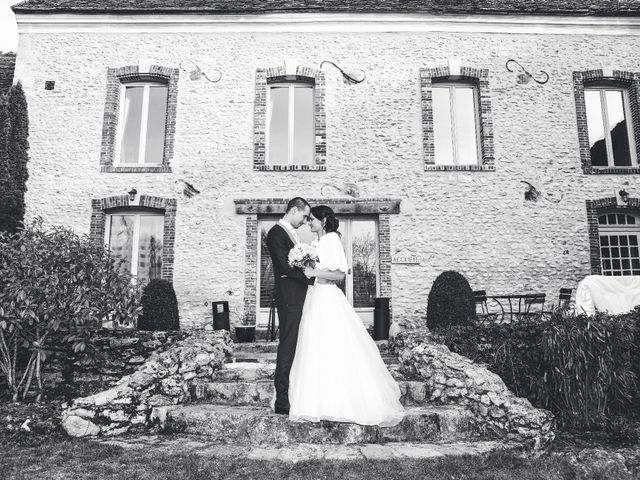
(290, 282)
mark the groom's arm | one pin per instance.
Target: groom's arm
(278, 246)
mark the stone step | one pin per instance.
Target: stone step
(242, 425)
(266, 347)
(270, 357)
(260, 392)
(248, 371)
(201, 446)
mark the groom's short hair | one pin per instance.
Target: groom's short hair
(298, 202)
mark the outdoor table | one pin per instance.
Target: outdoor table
(523, 304)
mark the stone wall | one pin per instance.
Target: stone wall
(453, 379)
(119, 353)
(475, 222)
(162, 380)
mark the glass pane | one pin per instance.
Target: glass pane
(156, 124)
(132, 116)
(595, 126)
(442, 136)
(278, 124)
(465, 115)
(364, 262)
(622, 219)
(602, 219)
(150, 247)
(121, 239)
(631, 220)
(612, 219)
(618, 128)
(303, 128)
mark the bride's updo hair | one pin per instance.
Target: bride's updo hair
(322, 212)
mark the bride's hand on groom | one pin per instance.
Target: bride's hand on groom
(309, 272)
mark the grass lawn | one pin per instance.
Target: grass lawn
(58, 457)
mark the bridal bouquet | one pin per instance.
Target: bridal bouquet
(303, 255)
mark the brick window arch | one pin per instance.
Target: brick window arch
(614, 234)
(608, 116)
(105, 208)
(120, 82)
(311, 84)
(475, 109)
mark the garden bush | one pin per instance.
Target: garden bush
(584, 369)
(159, 307)
(450, 301)
(55, 283)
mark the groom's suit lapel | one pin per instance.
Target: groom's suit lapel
(293, 240)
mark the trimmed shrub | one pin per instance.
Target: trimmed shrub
(583, 369)
(450, 301)
(159, 307)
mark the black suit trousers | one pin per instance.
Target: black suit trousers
(289, 322)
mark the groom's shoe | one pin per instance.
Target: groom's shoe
(281, 411)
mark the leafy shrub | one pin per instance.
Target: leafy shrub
(159, 307)
(55, 283)
(450, 301)
(584, 369)
(624, 430)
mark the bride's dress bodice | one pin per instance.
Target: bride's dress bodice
(331, 253)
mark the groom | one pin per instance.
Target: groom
(290, 292)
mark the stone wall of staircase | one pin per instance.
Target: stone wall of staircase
(450, 378)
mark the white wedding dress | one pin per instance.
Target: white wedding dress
(337, 373)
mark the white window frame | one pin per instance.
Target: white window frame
(626, 104)
(452, 85)
(291, 124)
(136, 234)
(143, 123)
(617, 229)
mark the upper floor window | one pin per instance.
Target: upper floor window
(290, 123)
(619, 243)
(455, 124)
(290, 131)
(139, 123)
(136, 238)
(143, 113)
(609, 127)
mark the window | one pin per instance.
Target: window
(136, 238)
(142, 123)
(619, 243)
(455, 124)
(362, 283)
(290, 124)
(609, 127)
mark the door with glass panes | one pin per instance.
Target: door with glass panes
(360, 241)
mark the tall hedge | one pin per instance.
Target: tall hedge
(14, 146)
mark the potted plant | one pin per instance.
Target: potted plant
(246, 332)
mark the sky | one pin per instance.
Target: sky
(8, 27)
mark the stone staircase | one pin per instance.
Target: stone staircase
(233, 409)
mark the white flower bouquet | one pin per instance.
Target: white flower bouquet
(303, 255)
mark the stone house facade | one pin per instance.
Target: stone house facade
(498, 139)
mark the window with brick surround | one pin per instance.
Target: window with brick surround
(289, 120)
(607, 114)
(457, 125)
(141, 233)
(139, 121)
(619, 234)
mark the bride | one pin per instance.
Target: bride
(337, 372)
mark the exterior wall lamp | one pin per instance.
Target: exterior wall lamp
(347, 78)
(624, 196)
(196, 72)
(132, 194)
(524, 76)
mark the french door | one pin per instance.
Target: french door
(361, 285)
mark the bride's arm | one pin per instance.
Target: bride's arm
(333, 275)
